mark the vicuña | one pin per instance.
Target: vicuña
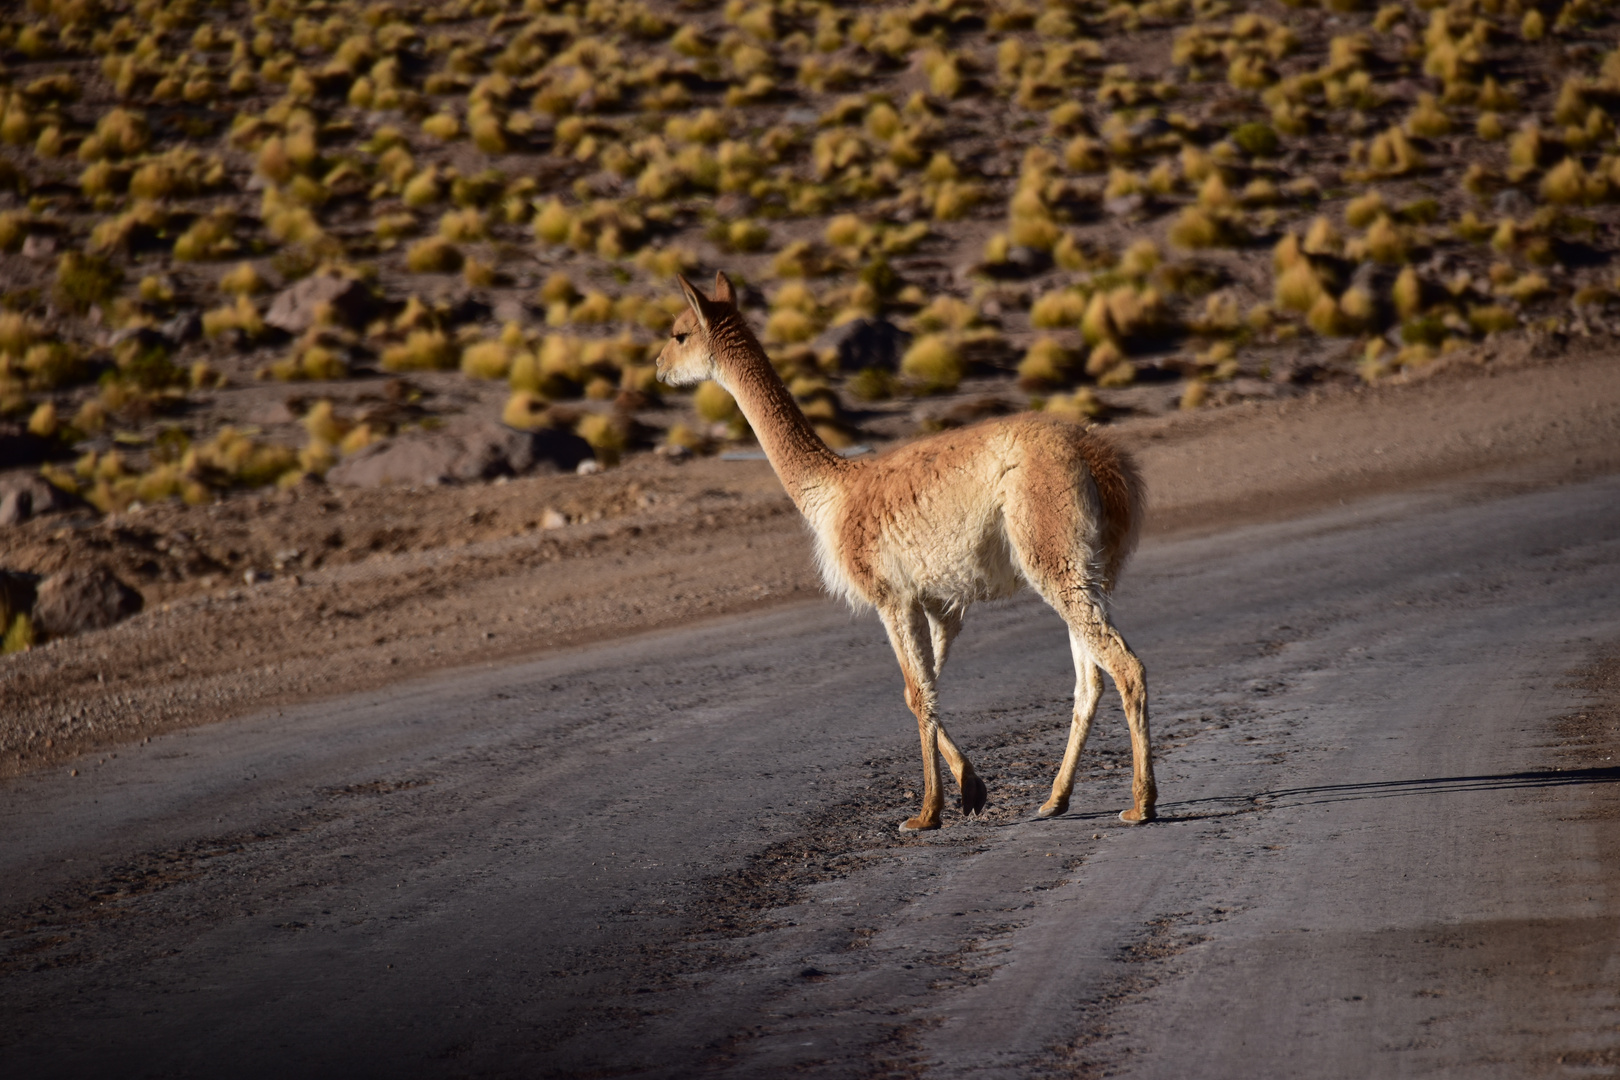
(923, 531)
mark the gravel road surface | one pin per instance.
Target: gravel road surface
(1390, 843)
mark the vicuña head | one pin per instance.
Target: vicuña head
(689, 357)
(922, 532)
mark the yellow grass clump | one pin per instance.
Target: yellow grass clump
(788, 326)
(714, 404)
(241, 315)
(1195, 229)
(1057, 309)
(487, 360)
(605, 436)
(1080, 407)
(1363, 210)
(443, 126)
(1298, 288)
(525, 410)
(1407, 293)
(1385, 242)
(1391, 154)
(1567, 183)
(1491, 319)
(1322, 239)
(1427, 119)
(422, 350)
(242, 280)
(433, 255)
(934, 363)
(1046, 365)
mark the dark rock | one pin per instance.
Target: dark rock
(26, 495)
(465, 450)
(1375, 279)
(1512, 202)
(294, 307)
(73, 601)
(962, 413)
(466, 308)
(184, 327)
(1151, 128)
(17, 592)
(144, 337)
(556, 449)
(866, 343)
(494, 449)
(19, 447)
(1027, 260)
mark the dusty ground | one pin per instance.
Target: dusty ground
(353, 588)
(1385, 742)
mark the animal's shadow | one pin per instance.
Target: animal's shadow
(1231, 805)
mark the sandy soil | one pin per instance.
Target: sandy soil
(270, 599)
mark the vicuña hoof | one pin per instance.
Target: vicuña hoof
(1137, 815)
(917, 824)
(1052, 809)
(974, 796)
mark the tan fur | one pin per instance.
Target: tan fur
(924, 531)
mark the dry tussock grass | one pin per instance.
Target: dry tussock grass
(1069, 196)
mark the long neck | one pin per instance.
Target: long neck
(805, 465)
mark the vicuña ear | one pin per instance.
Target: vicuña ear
(696, 300)
(723, 292)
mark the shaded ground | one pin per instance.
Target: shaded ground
(1387, 843)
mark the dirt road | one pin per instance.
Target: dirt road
(1390, 842)
(441, 578)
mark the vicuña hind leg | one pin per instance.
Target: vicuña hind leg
(1110, 650)
(1090, 631)
(944, 624)
(1087, 692)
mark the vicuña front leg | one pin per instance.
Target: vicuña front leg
(974, 794)
(944, 623)
(909, 635)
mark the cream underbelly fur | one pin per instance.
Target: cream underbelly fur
(922, 532)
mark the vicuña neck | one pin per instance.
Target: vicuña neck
(805, 464)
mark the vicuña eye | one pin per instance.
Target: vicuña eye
(680, 339)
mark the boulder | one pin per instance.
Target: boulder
(414, 459)
(865, 343)
(26, 495)
(20, 447)
(73, 601)
(184, 327)
(294, 308)
(493, 449)
(464, 450)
